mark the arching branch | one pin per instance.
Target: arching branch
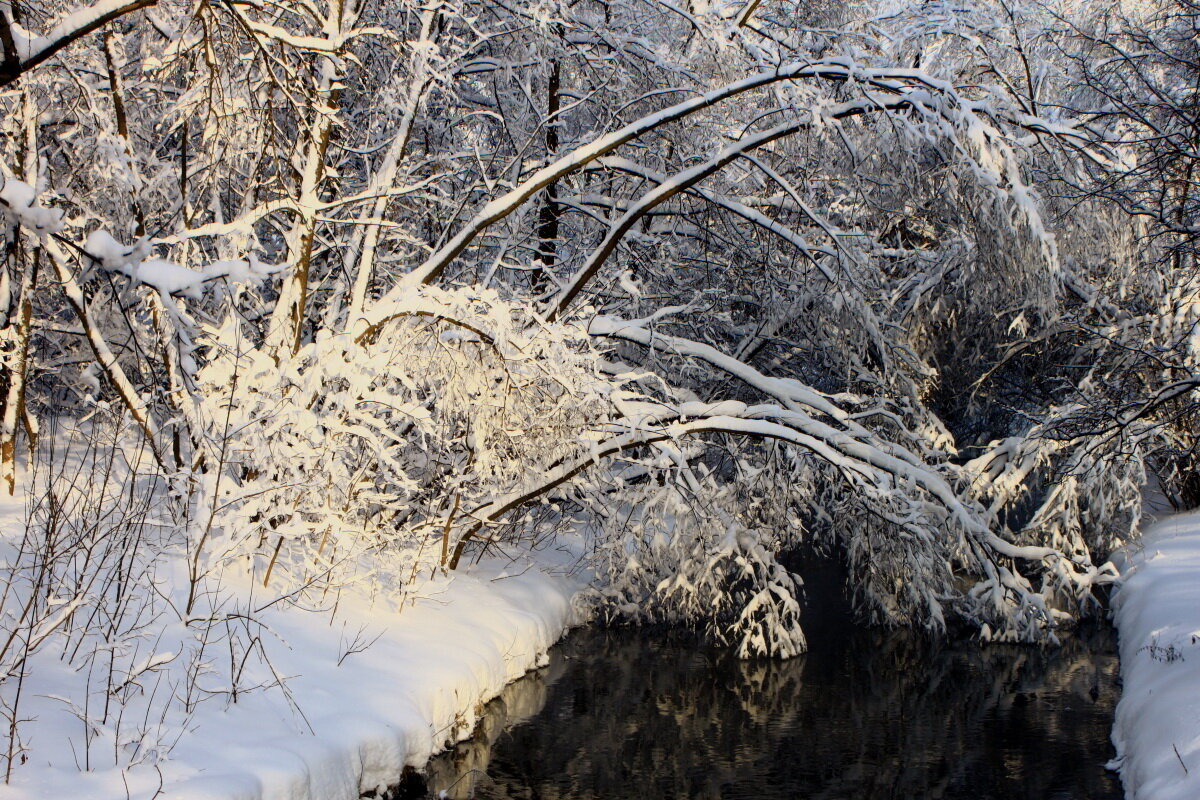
(689, 177)
(835, 69)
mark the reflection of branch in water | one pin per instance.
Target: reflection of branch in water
(870, 714)
(458, 773)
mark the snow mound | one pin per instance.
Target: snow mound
(368, 693)
(1157, 612)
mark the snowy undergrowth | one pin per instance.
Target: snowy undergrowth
(110, 690)
(1157, 613)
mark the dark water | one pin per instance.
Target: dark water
(643, 715)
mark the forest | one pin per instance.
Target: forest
(309, 300)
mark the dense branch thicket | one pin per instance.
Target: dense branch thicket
(373, 288)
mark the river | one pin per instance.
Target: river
(647, 714)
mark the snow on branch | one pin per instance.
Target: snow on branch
(105, 358)
(29, 50)
(680, 182)
(19, 208)
(814, 253)
(833, 69)
(887, 89)
(167, 277)
(933, 517)
(789, 392)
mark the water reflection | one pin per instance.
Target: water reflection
(865, 714)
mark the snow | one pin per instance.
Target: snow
(416, 685)
(165, 276)
(33, 48)
(1157, 613)
(18, 203)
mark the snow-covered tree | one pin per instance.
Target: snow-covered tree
(383, 286)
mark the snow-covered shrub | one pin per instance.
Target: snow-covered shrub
(364, 460)
(685, 558)
(351, 460)
(1079, 497)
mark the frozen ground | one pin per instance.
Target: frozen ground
(408, 682)
(1157, 612)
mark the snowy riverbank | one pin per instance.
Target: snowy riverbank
(1157, 613)
(356, 696)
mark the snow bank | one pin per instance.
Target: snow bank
(1157, 609)
(415, 690)
(368, 690)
